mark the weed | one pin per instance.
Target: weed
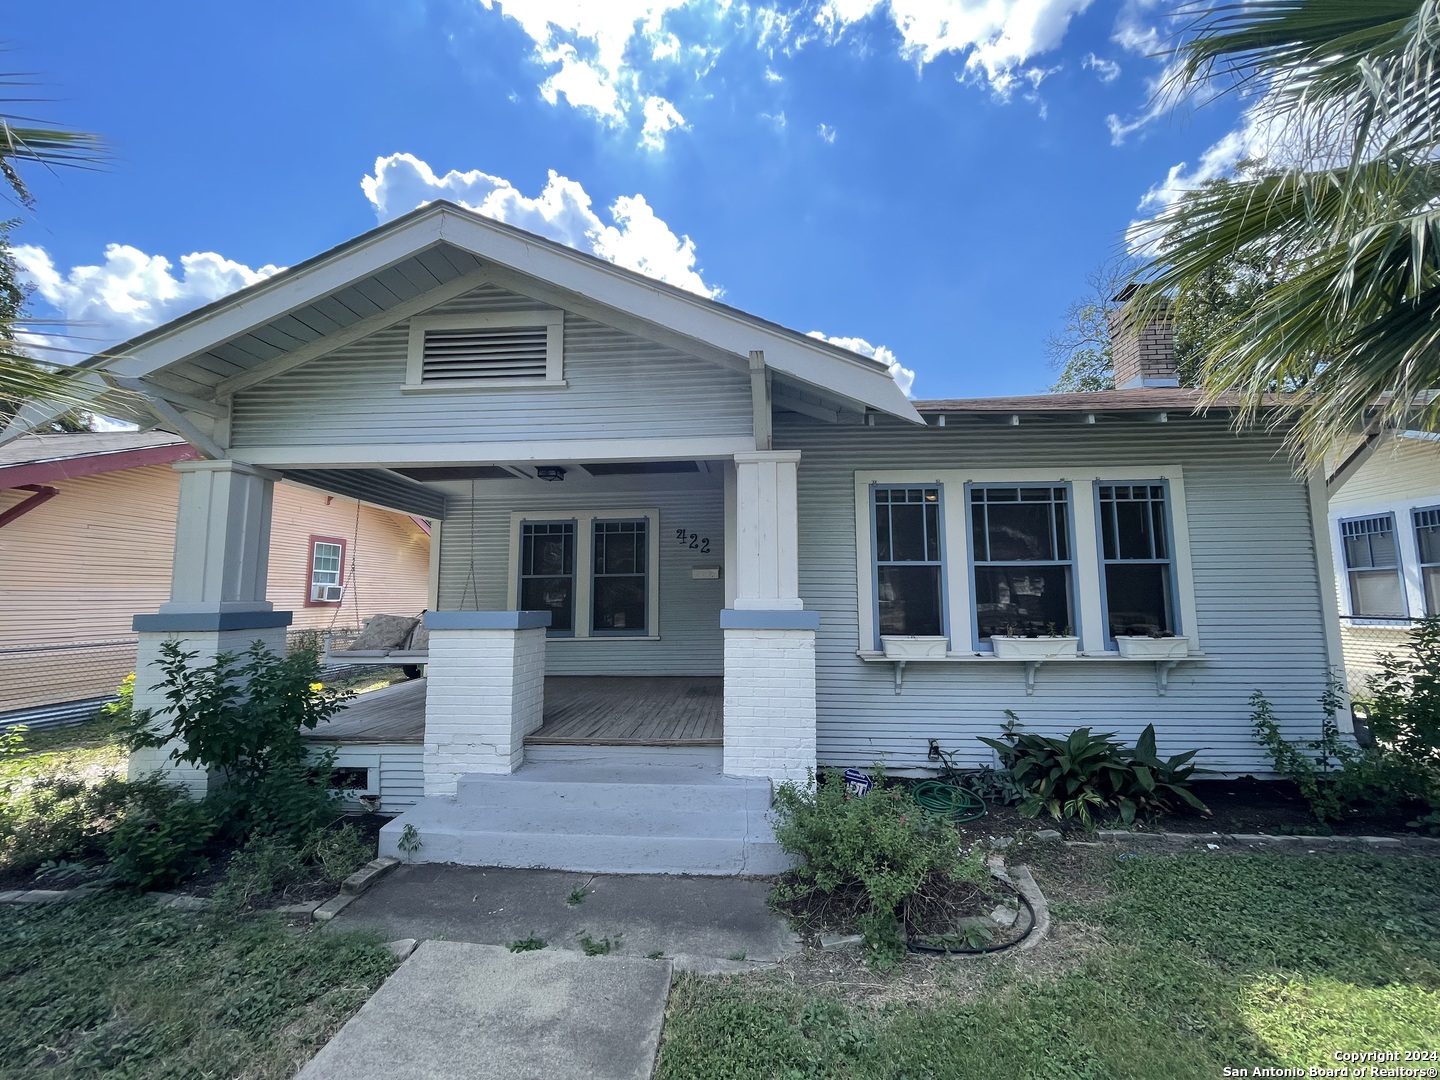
(656, 955)
(530, 943)
(409, 842)
(603, 947)
(340, 852)
(264, 866)
(576, 897)
(738, 955)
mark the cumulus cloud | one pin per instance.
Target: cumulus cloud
(661, 118)
(633, 238)
(1107, 71)
(129, 293)
(904, 377)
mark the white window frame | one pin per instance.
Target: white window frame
(1420, 564)
(1086, 553)
(585, 567)
(553, 321)
(1408, 552)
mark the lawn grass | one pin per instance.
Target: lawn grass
(1207, 961)
(91, 749)
(116, 987)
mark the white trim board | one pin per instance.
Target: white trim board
(959, 612)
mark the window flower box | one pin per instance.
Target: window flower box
(1044, 647)
(913, 647)
(1152, 648)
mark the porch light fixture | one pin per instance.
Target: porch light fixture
(552, 473)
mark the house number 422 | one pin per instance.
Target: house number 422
(694, 541)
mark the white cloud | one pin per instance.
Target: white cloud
(904, 377)
(130, 293)
(1107, 71)
(776, 119)
(637, 239)
(661, 117)
(773, 76)
(827, 132)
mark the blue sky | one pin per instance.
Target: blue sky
(931, 178)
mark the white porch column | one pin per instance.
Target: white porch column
(767, 540)
(485, 691)
(769, 639)
(217, 589)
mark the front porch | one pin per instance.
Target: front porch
(604, 710)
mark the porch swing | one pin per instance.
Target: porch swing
(382, 640)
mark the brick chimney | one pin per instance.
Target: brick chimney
(1143, 351)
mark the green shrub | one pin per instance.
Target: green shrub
(161, 839)
(883, 843)
(1402, 700)
(122, 709)
(58, 817)
(1084, 772)
(340, 852)
(264, 866)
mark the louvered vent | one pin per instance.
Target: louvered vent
(484, 352)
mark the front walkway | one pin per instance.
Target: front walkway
(579, 711)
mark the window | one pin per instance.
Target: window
(908, 546)
(327, 570)
(1427, 542)
(507, 348)
(1135, 552)
(547, 571)
(1372, 567)
(620, 561)
(1020, 537)
(596, 571)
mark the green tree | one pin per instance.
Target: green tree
(1352, 215)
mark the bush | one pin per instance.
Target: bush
(58, 817)
(883, 843)
(1402, 701)
(1084, 772)
(340, 852)
(264, 866)
(161, 839)
(122, 709)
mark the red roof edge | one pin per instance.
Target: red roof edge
(72, 468)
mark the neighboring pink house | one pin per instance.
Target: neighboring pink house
(87, 538)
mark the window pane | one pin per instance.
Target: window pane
(882, 527)
(1135, 530)
(1137, 597)
(910, 600)
(619, 604)
(1431, 575)
(1022, 598)
(552, 554)
(907, 533)
(932, 529)
(1377, 593)
(1107, 527)
(553, 594)
(618, 552)
(1428, 538)
(1021, 531)
(325, 565)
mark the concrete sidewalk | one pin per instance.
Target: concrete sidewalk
(702, 923)
(460, 1010)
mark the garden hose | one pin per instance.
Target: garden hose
(920, 947)
(949, 800)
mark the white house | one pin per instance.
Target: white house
(673, 538)
(1385, 533)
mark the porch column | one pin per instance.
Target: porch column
(769, 639)
(484, 692)
(217, 588)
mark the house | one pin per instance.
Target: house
(1385, 534)
(87, 539)
(683, 554)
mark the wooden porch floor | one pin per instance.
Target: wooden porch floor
(608, 710)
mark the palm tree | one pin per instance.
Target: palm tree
(25, 142)
(1349, 222)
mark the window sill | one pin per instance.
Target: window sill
(1381, 622)
(483, 384)
(1162, 667)
(608, 637)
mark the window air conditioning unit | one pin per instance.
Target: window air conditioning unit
(330, 594)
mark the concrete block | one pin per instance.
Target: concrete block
(402, 948)
(1379, 841)
(841, 941)
(332, 907)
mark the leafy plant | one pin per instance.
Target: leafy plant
(265, 865)
(122, 709)
(409, 842)
(62, 816)
(161, 839)
(530, 943)
(576, 897)
(603, 947)
(340, 852)
(1402, 700)
(1083, 773)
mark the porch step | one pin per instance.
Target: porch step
(576, 754)
(628, 819)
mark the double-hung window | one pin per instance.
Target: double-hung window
(1023, 567)
(547, 571)
(327, 570)
(619, 590)
(909, 555)
(1135, 550)
(1427, 543)
(1372, 567)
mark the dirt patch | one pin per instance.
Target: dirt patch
(918, 981)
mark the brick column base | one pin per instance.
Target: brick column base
(770, 693)
(485, 691)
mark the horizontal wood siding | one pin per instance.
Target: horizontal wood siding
(1256, 583)
(620, 386)
(79, 568)
(402, 771)
(690, 639)
(1401, 469)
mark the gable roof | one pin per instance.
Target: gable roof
(429, 255)
(45, 459)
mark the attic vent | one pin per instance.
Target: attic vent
(512, 348)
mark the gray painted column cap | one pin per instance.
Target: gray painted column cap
(210, 621)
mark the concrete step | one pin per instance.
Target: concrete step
(711, 757)
(636, 820)
(546, 787)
